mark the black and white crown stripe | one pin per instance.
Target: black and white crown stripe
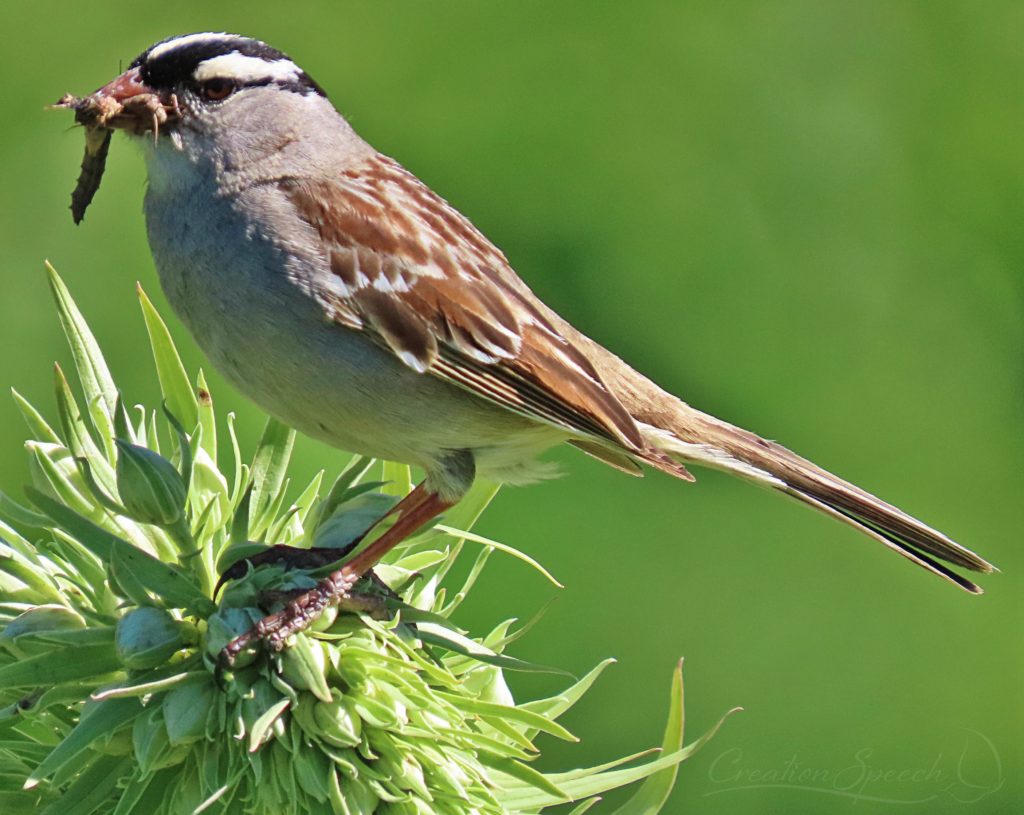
(200, 57)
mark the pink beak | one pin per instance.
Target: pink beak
(126, 86)
(126, 103)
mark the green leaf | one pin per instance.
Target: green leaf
(302, 505)
(97, 383)
(586, 783)
(555, 706)
(187, 710)
(465, 513)
(510, 714)
(54, 470)
(524, 773)
(266, 720)
(655, 790)
(31, 574)
(174, 383)
(63, 665)
(462, 534)
(184, 448)
(579, 810)
(154, 681)
(303, 667)
(79, 442)
(102, 718)
(267, 475)
(169, 583)
(207, 417)
(474, 573)
(397, 479)
(124, 582)
(147, 792)
(18, 514)
(97, 492)
(35, 421)
(338, 493)
(93, 788)
(19, 803)
(453, 641)
(123, 424)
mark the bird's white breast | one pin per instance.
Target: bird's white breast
(237, 285)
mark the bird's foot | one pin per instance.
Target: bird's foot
(416, 509)
(290, 557)
(300, 612)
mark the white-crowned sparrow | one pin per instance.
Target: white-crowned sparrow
(346, 298)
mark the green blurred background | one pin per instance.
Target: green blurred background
(804, 217)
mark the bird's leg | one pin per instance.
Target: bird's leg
(291, 557)
(294, 557)
(418, 507)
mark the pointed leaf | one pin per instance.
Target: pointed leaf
(397, 479)
(207, 417)
(102, 718)
(58, 666)
(269, 467)
(35, 421)
(174, 383)
(165, 580)
(655, 790)
(453, 641)
(92, 788)
(555, 706)
(97, 383)
(18, 514)
(583, 784)
(579, 810)
(523, 772)
(462, 534)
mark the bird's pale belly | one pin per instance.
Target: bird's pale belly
(333, 383)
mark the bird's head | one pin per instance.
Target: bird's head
(218, 105)
(206, 86)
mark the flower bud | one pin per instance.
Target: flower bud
(304, 667)
(35, 620)
(152, 747)
(147, 637)
(337, 722)
(150, 488)
(187, 710)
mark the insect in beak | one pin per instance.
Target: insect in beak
(126, 103)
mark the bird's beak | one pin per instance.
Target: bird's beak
(126, 103)
(124, 87)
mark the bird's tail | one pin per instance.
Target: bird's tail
(697, 438)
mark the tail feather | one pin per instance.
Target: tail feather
(702, 439)
(893, 542)
(672, 427)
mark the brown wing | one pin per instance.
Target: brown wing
(420, 279)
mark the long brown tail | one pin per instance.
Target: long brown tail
(671, 427)
(703, 439)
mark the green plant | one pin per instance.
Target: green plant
(112, 700)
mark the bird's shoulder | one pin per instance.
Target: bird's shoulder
(404, 265)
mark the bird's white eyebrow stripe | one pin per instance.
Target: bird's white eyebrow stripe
(246, 69)
(158, 51)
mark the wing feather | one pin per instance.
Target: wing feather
(413, 273)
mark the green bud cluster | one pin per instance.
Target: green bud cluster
(111, 698)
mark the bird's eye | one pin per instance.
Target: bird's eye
(216, 89)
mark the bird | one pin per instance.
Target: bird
(346, 298)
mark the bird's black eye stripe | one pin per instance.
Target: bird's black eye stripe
(212, 90)
(303, 85)
(166, 66)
